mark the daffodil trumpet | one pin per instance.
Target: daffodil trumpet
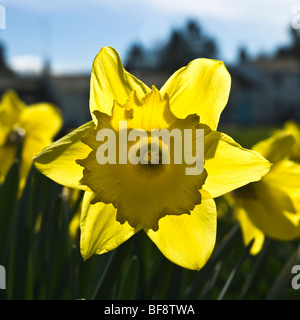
(151, 148)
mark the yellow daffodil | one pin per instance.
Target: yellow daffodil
(293, 128)
(72, 198)
(271, 206)
(176, 211)
(34, 126)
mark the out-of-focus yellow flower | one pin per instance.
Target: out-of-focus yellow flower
(34, 126)
(271, 207)
(73, 199)
(176, 211)
(293, 128)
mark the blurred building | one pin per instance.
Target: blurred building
(69, 93)
(72, 93)
(265, 90)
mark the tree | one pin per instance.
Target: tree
(292, 50)
(183, 46)
(136, 59)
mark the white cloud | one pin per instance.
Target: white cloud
(68, 68)
(26, 64)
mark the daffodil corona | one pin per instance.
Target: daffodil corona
(153, 148)
(34, 126)
(176, 210)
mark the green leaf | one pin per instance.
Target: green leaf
(283, 280)
(212, 281)
(129, 280)
(111, 272)
(257, 270)
(224, 247)
(58, 250)
(8, 208)
(235, 270)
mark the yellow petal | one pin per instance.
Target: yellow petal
(31, 146)
(249, 230)
(58, 160)
(10, 109)
(7, 155)
(100, 231)
(294, 129)
(74, 227)
(229, 166)
(272, 211)
(41, 120)
(188, 240)
(151, 112)
(110, 81)
(277, 147)
(285, 176)
(202, 87)
(73, 200)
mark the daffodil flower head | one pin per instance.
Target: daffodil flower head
(176, 210)
(32, 126)
(293, 128)
(271, 206)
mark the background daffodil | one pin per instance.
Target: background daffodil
(33, 127)
(292, 128)
(177, 212)
(271, 207)
(73, 199)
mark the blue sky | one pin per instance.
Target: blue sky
(71, 32)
